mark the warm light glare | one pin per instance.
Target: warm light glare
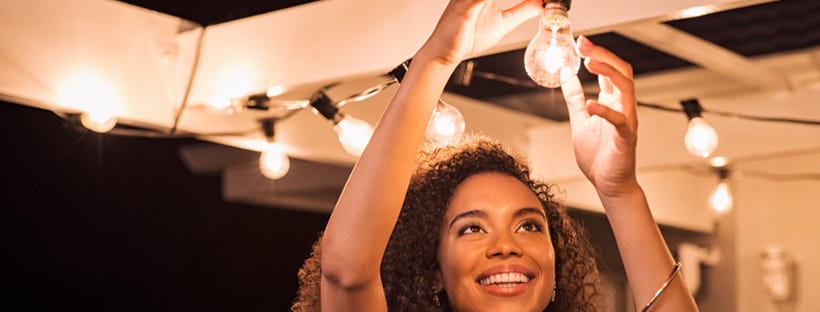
(98, 122)
(552, 56)
(446, 125)
(354, 134)
(275, 91)
(696, 11)
(701, 139)
(719, 161)
(274, 162)
(95, 97)
(721, 199)
(235, 85)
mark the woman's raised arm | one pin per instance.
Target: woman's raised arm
(604, 136)
(361, 223)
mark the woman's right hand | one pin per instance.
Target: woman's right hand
(468, 27)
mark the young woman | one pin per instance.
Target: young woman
(464, 228)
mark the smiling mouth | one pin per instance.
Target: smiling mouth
(504, 279)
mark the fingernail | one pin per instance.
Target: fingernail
(583, 42)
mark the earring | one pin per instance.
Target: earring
(436, 299)
(553, 295)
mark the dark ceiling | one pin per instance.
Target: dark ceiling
(750, 31)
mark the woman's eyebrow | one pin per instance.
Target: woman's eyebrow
(530, 210)
(468, 214)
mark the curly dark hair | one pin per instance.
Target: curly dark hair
(410, 262)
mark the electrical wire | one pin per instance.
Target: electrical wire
(190, 85)
(528, 83)
(735, 115)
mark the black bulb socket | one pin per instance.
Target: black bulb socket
(692, 108)
(323, 105)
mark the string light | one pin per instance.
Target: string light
(99, 122)
(552, 57)
(701, 139)
(273, 162)
(93, 95)
(353, 133)
(721, 199)
(446, 125)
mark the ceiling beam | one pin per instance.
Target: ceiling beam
(705, 54)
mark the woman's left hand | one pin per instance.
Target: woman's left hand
(604, 131)
(468, 27)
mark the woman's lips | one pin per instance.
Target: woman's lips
(505, 280)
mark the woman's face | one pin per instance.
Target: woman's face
(495, 252)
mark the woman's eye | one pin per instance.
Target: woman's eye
(530, 226)
(470, 229)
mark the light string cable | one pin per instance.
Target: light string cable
(735, 115)
(467, 71)
(191, 76)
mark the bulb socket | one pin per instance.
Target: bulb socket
(401, 70)
(258, 101)
(323, 105)
(565, 4)
(723, 173)
(268, 126)
(692, 108)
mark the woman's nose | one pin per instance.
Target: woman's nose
(504, 245)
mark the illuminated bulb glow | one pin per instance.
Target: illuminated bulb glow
(719, 161)
(274, 162)
(721, 199)
(701, 139)
(95, 97)
(98, 122)
(446, 125)
(354, 134)
(275, 91)
(235, 84)
(552, 57)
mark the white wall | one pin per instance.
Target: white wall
(772, 212)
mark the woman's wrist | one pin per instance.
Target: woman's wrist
(621, 191)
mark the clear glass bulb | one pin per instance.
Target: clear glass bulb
(552, 56)
(721, 199)
(98, 122)
(354, 134)
(274, 162)
(701, 139)
(446, 125)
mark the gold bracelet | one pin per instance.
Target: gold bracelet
(660, 291)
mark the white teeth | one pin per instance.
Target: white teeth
(504, 279)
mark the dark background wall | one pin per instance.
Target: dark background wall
(100, 222)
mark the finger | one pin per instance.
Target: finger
(521, 12)
(601, 54)
(615, 77)
(603, 81)
(574, 97)
(612, 116)
(624, 85)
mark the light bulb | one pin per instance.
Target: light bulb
(98, 121)
(721, 199)
(354, 134)
(225, 104)
(274, 162)
(446, 126)
(552, 56)
(701, 139)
